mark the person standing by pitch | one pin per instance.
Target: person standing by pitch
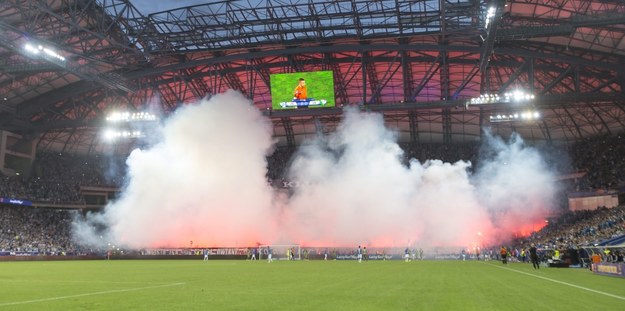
(534, 257)
(504, 254)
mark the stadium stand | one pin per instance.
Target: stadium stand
(436, 72)
(57, 178)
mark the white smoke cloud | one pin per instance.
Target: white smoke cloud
(515, 184)
(205, 182)
(357, 190)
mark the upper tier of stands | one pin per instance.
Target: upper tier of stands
(57, 178)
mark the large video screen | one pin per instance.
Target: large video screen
(313, 89)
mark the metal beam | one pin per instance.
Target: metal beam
(414, 126)
(470, 75)
(406, 75)
(527, 32)
(386, 78)
(557, 80)
(426, 78)
(491, 33)
(558, 101)
(288, 130)
(513, 77)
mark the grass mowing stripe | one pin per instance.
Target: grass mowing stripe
(85, 281)
(304, 285)
(562, 282)
(87, 294)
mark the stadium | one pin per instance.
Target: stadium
(416, 155)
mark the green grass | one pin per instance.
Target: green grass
(313, 285)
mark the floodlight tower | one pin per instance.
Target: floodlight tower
(128, 125)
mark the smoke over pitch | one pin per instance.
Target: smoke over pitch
(356, 189)
(205, 182)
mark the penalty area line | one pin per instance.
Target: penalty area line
(562, 282)
(88, 294)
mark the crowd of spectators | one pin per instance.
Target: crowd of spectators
(576, 234)
(278, 162)
(56, 178)
(601, 158)
(35, 231)
(574, 229)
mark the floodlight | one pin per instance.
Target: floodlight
(515, 116)
(109, 135)
(113, 134)
(516, 96)
(489, 16)
(130, 117)
(46, 52)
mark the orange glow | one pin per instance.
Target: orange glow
(524, 230)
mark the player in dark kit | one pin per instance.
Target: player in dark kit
(534, 257)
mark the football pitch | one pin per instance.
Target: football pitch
(302, 285)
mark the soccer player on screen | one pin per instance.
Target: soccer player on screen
(300, 90)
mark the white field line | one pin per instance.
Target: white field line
(88, 294)
(563, 283)
(82, 281)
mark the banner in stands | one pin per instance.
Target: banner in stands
(195, 251)
(19, 253)
(16, 201)
(369, 257)
(606, 268)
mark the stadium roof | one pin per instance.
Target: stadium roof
(417, 62)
